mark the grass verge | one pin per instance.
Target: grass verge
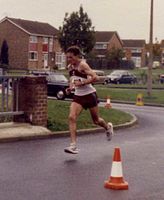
(130, 94)
(58, 116)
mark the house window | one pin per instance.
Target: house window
(136, 54)
(45, 40)
(137, 61)
(33, 39)
(45, 48)
(100, 46)
(136, 50)
(50, 44)
(60, 59)
(45, 44)
(33, 56)
(33, 46)
(33, 43)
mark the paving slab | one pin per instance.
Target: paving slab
(16, 131)
(23, 131)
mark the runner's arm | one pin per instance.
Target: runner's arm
(84, 67)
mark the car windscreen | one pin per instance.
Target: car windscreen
(116, 73)
(99, 73)
(58, 78)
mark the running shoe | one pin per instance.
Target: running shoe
(72, 149)
(109, 131)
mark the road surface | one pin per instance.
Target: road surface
(40, 170)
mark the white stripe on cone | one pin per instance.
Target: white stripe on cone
(108, 101)
(116, 170)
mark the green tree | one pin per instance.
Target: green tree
(4, 53)
(77, 30)
(115, 55)
(157, 51)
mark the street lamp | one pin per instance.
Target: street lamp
(149, 83)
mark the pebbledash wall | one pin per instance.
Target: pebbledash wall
(33, 100)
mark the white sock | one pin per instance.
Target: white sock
(73, 144)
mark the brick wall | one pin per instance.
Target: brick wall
(37, 64)
(18, 44)
(33, 100)
(128, 55)
(114, 42)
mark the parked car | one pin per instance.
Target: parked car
(156, 64)
(56, 84)
(161, 78)
(101, 75)
(121, 76)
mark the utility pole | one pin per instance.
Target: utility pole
(149, 82)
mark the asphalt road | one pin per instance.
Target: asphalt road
(40, 170)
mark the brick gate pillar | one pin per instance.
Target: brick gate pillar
(32, 100)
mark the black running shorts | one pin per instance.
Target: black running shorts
(87, 101)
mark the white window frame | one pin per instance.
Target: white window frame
(45, 40)
(137, 61)
(136, 50)
(101, 45)
(51, 45)
(33, 39)
(60, 59)
(35, 53)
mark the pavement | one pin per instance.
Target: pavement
(23, 131)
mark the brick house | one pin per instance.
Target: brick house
(135, 50)
(106, 40)
(32, 44)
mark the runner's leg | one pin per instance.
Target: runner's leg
(101, 122)
(75, 110)
(96, 119)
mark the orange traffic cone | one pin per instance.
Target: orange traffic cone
(116, 179)
(108, 103)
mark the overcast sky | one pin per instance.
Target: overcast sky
(130, 18)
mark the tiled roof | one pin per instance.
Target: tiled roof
(35, 27)
(134, 43)
(104, 36)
